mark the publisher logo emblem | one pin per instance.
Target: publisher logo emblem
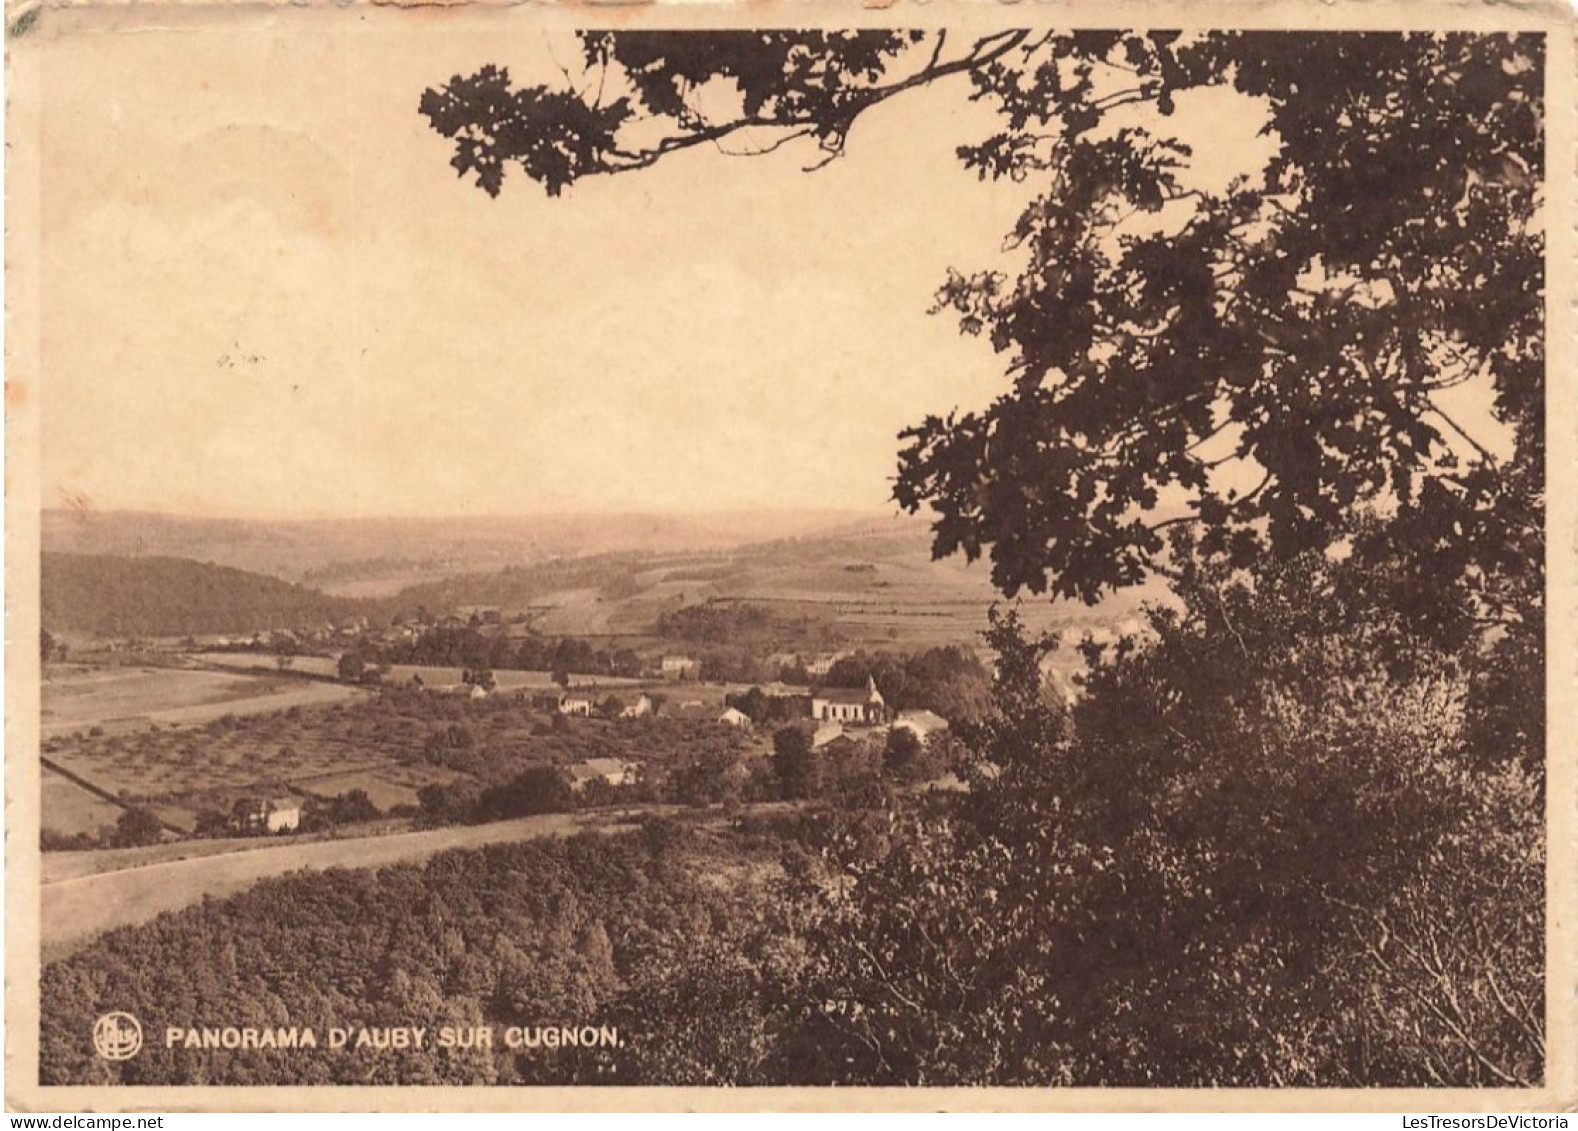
(117, 1036)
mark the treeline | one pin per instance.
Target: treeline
(125, 597)
(748, 624)
(612, 575)
(467, 647)
(715, 623)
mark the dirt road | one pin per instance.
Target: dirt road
(77, 908)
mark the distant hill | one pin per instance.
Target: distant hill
(160, 596)
(866, 584)
(380, 556)
(857, 581)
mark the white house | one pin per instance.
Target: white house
(821, 665)
(681, 667)
(843, 705)
(921, 723)
(610, 771)
(778, 689)
(268, 815)
(640, 709)
(825, 734)
(575, 704)
(734, 717)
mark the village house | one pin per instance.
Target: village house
(479, 614)
(267, 815)
(609, 771)
(821, 665)
(922, 724)
(826, 733)
(640, 709)
(844, 746)
(845, 705)
(680, 667)
(734, 717)
(575, 703)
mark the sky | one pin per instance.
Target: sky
(266, 294)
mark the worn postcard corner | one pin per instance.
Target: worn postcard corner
(796, 556)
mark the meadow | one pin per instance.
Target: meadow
(120, 699)
(71, 810)
(434, 677)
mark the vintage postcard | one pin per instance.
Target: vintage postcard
(795, 556)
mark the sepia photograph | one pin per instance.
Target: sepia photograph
(937, 547)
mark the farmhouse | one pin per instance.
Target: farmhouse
(681, 667)
(844, 746)
(921, 724)
(610, 771)
(734, 717)
(267, 815)
(640, 709)
(838, 704)
(778, 689)
(826, 733)
(821, 665)
(575, 704)
(691, 709)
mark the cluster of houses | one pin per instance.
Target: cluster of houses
(608, 771)
(841, 716)
(584, 704)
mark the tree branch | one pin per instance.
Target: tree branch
(858, 103)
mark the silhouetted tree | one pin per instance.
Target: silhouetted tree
(137, 827)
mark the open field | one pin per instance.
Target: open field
(179, 774)
(389, 745)
(77, 908)
(57, 866)
(69, 809)
(254, 734)
(433, 677)
(120, 699)
(878, 591)
(385, 785)
(261, 663)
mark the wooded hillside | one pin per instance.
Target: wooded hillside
(115, 596)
